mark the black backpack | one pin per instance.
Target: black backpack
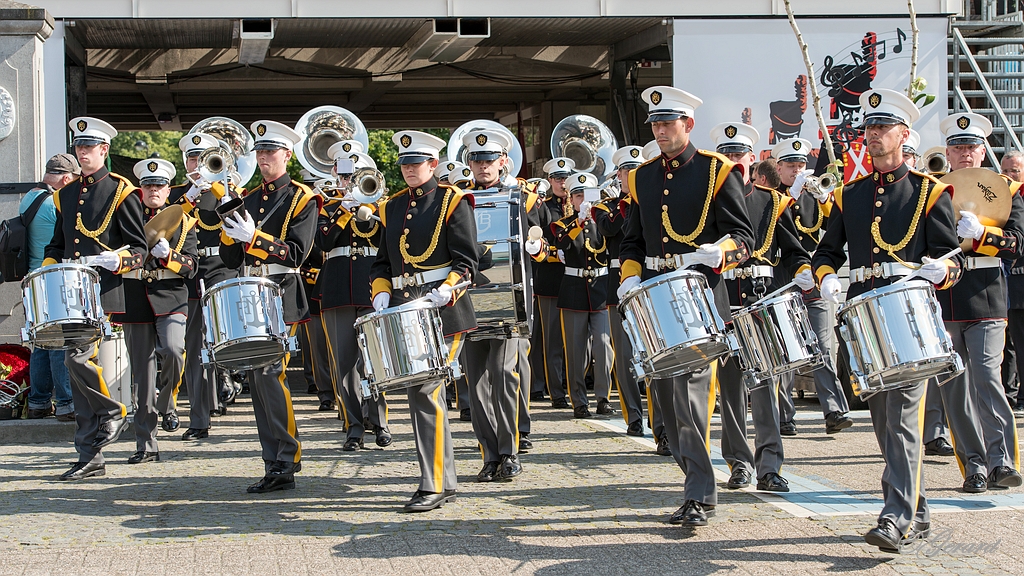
(14, 242)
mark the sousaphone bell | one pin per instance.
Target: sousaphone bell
(321, 128)
(588, 142)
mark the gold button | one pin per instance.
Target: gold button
(666, 191)
(354, 245)
(150, 280)
(743, 295)
(880, 190)
(878, 203)
(406, 231)
(664, 208)
(1002, 242)
(406, 294)
(81, 201)
(875, 249)
(408, 216)
(407, 246)
(413, 203)
(258, 263)
(261, 210)
(353, 257)
(796, 206)
(667, 255)
(76, 240)
(406, 274)
(665, 239)
(878, 218)
(265, 197)
(77, 254)
(84, 190)
(669, 176)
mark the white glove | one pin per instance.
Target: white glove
(533, 247)
(798, 184)
(441, 295)
(161, 250)
(584, 214)
(240, 226)
(969, 227)
(831, 288)
(805, 280)
(934, 270)
(561, 257)
(627, 285)
(709, 255)
(193, 193)
(108, 260)
(381, 301)
(349, 203)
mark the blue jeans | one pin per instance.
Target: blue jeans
(46, 368)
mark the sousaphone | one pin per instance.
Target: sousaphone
(588, 142)
(457, 152)
(983, 192)
(321, 128)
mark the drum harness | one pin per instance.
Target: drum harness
(273, 269)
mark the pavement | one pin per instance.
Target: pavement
(590, 501)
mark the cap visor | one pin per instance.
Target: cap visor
(909, 150)
(265, 145)
(87, 141)
(793, 158)
(413, 158)
(733, 149)
(627, 165)
(484, 156)
(884, 120)
(559, 174)
(964, 141)
(153, 181)
(664, 116)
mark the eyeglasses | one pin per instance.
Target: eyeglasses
(559, 178)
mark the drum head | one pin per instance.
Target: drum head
(65, 336)
(249, 355)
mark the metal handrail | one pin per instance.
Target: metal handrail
(962, 100)
(963, 50)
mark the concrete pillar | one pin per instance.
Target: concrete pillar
(55, 135)
(23, 29)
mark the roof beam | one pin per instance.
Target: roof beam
(653, 37)
(161, 103)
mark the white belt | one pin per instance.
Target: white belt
(748, 272)
(269, 270)
(83, 260)
(581, 273)
(614, 263)
(214, 251)
(978, 262)
(677, 261)
(420, 278)
(350, 251)
(161, 274)
(879, 270)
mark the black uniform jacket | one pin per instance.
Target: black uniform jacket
(208, 227)
(427, 228)
(810, 217)
(680, 203)
(585, 249)
(610, 217)
(775, 243)
(548, 269)
(148, 298)
(285, 212)
(345, 280)
(95, 213)
(899, 214)
(981, 294)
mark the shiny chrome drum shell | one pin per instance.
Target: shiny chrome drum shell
(895, 338)
(673, 325)
(775, 337)
(245, 326)
(62, 307)
(402, 346)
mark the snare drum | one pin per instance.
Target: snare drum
(895, 338)
(245, 327)
(403, 346)
(62, 307)
(673, 325)
(775, 337)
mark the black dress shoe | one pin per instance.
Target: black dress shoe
(938, 447)
(465, 415)
(311, 389)
(383, 436)
(836, 421)
(537, 396)
(326, 406)
(692, 513)
(109, 432)
(141, 457)
(604, 407)
(195, 434)
(352, 444)
(560, 403)
(488, 472)
(885, 536)
(510, 467)
(83, 470)
(170, 421)
(772, 482)
(787, 428)
(272, 482)
(1003, 477)
(423, 501)
(663, 449)
(581, 412)
(740, 478)
(635, 428)
(975, 484)
(525, 443)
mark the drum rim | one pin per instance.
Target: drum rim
(760, 305)
(663, 278)
(239, 281)
(417, 305)
(59, 267)
(884, 291)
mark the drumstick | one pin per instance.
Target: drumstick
(459, 286)
(777, 292)
(718, 243)
(917, 272)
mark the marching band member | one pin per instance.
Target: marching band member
(271, 236)
(429, 246)
(609, 217)
(316, 363)
(583, 299)
(454, 173)
(491, 364)
(809, 214)
(910, 148)
(684, 200)
(96, 214)
(350, 246)
(199, 199)
(980, 419)
(895, 215)
(156, 308)
(776, 258)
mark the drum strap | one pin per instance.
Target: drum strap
(273, 210)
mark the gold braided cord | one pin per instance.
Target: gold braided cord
(666, 222)
(360, 233)
(288, 216)
(409, 258)
(94, 234)
(817, 225)
(604, 244)
(891, 249)
(184, 234)
(204, 226)
(771, 229)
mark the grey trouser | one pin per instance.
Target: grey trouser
(93, 404)
(554, 355)
(199, 380)
(319, 362)
(980, 345)
(577, 328)
(655, 420)
(494, 395)
(345, 358)
(525, 377)
(686, 403)
(164, 338)
(768, 453)
(787, 409)
(275, 417)
(429, 411)
(536, 356)
(896, 416)
(826, 385)
(629, 390)
(934, 415)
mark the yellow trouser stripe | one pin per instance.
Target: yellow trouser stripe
(711, 404)
(568, 373)
(334, 371)
(282, 381)
(921, 409)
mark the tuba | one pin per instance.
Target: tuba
(321, 128)
(233, 154)
(588, 142)
(934, 161)
(457, 152)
